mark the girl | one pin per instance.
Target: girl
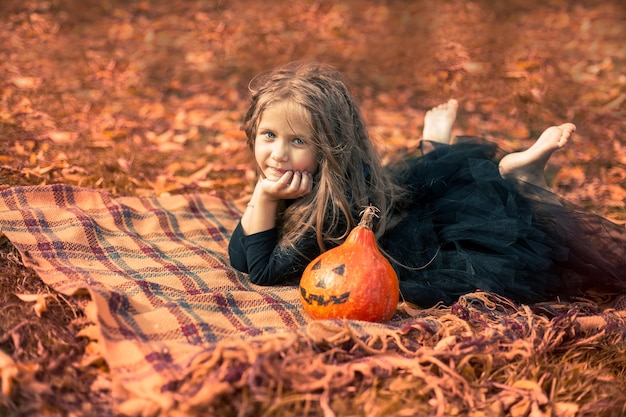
(451, 220)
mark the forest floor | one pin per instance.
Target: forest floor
(145, 97)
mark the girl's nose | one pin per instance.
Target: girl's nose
(280, 151)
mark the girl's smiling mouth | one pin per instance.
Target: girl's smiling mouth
(279, 172)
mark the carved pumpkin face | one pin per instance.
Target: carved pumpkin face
(324, 280)
(352, 281)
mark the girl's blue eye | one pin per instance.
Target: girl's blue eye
(270, 135)
(298, 141)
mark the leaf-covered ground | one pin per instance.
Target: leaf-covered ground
(144, 97)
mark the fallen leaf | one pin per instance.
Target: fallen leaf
(124, 164)
(40, 306)
(566, 409)
(26, 83)
(616, 102)
(476, 67)
(520, 408)
(8, 371)
(62, 137)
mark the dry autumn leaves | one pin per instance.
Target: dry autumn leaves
(145, 98)
(154, 102)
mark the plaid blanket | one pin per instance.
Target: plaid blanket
(180, 329)
(156, 269)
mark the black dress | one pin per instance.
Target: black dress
(465, 228)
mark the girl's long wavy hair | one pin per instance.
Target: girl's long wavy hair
(349, 176)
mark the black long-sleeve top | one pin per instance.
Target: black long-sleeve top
(266, 263)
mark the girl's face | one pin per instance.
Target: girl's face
(284, 141)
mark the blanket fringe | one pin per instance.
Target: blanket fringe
(482, 356)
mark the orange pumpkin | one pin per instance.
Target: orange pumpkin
(353, 280)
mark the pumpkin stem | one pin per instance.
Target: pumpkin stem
(367, 216)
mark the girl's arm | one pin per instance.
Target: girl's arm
(254, 249)
(267, 263)
(260, 214)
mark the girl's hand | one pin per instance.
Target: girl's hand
(291, 185)
(260, 214)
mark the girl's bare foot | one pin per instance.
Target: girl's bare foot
(529, 165)
(439, 120)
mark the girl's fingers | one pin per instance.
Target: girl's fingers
(302, 183)
(307, 182)
(292, 184)
(286, 179)
(296, 181)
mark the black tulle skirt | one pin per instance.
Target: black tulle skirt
(464, 228)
